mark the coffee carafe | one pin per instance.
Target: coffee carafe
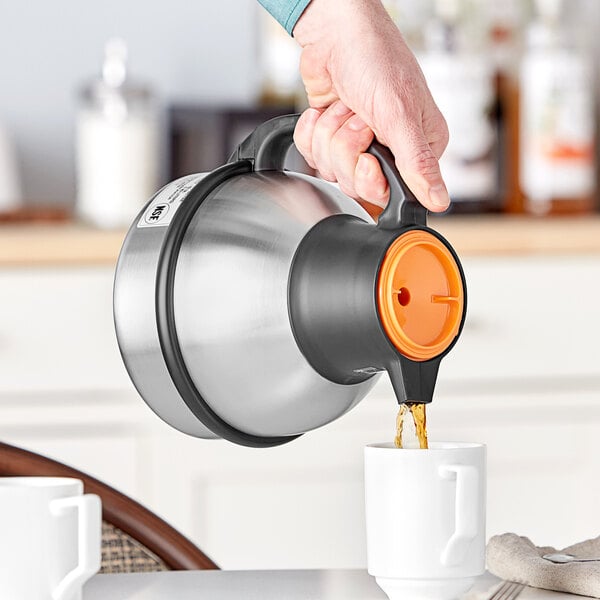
(255, 304)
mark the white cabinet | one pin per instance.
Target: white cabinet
(56, 330)
(524, 379)
(530, 319)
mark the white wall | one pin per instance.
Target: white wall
(200, 50)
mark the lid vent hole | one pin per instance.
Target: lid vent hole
(403, 296)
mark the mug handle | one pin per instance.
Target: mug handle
(89, 528)
(466, 512)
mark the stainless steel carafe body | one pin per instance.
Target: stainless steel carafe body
(231, 306)
(204, 299)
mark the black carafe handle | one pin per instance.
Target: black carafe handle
(403, 209)
(266, 148)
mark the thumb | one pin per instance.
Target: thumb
(420, 169)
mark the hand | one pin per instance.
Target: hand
(362, 81)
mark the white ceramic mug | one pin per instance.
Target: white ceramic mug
(50, 536)
(425, 512)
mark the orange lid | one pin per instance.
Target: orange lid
(420, 295)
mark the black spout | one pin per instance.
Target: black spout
(413, 381)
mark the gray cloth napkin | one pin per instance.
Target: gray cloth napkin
(515, 558)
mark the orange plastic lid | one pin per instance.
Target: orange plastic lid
(420, 295)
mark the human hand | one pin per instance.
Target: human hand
(362, 81)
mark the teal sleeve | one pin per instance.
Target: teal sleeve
(287, 12)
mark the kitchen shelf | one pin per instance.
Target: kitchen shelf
(74, 244)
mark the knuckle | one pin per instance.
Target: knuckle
(333, 117)
(348, 190)
(327, 175)
(324, 168)
(351, 142)
(343, 151)
(444, 133)
(424, 161)
(344, 166)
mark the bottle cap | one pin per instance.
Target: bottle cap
(114, 67)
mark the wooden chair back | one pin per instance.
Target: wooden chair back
(171, 547)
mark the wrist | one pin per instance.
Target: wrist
(322, 20)
(312, 21)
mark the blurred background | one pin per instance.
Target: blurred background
(174, 87)
(102, 103)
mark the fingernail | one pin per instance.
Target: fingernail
(363, 167)
(438, 194)
(356, 123)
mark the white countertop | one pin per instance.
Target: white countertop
(265, 585)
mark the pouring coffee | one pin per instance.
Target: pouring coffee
(255, 304)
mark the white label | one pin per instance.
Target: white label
(163, 206)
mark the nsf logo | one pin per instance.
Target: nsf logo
(156, 213)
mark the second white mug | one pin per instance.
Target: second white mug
(50, 538)
(425, 513)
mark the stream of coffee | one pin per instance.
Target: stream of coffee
(420, 420)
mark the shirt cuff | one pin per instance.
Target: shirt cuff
(294, 15)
